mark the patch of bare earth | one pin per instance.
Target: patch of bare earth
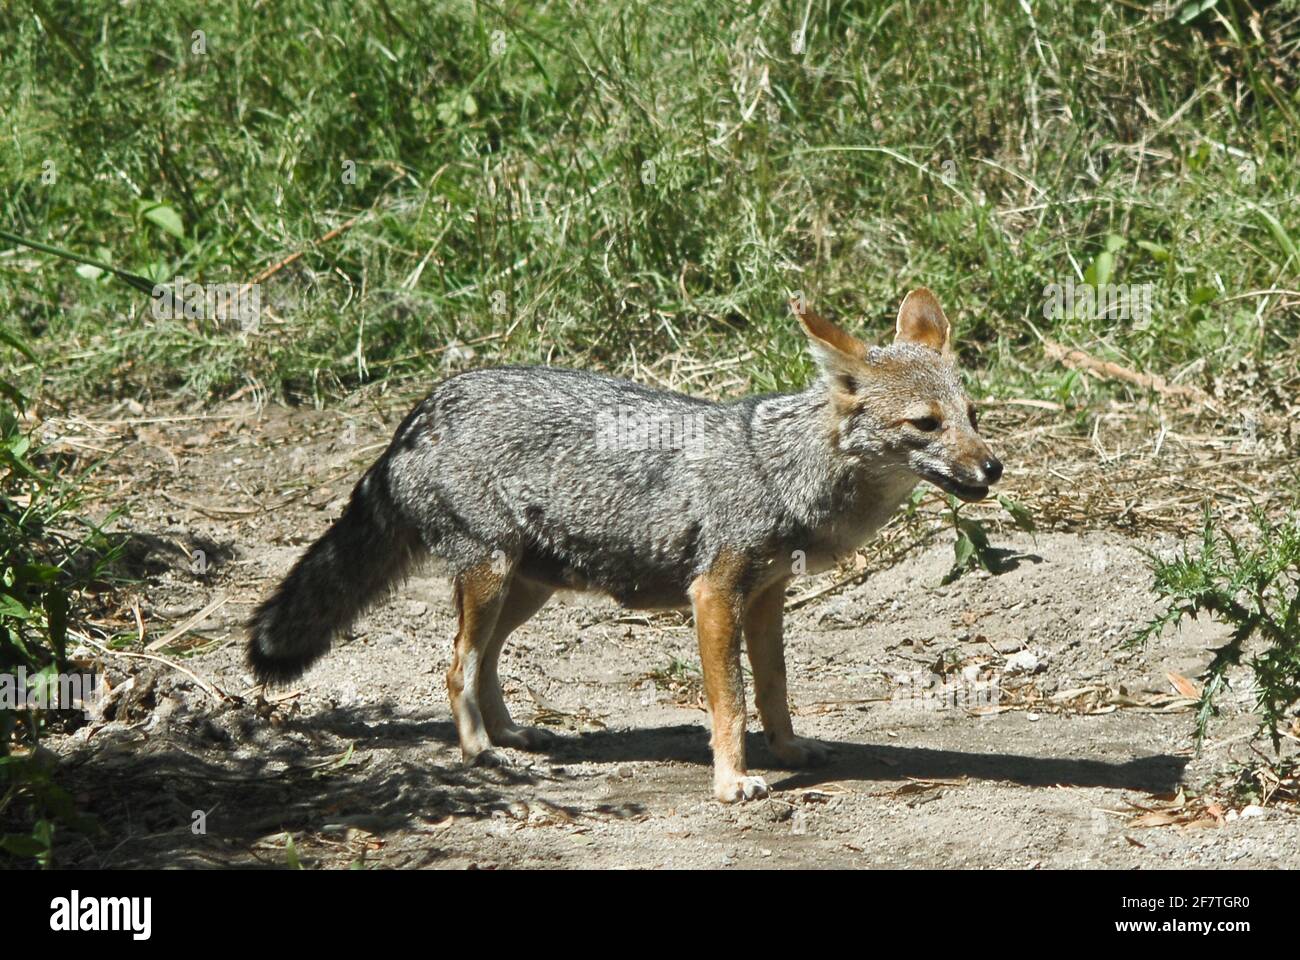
(999, 721)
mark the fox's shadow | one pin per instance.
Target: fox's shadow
(1158, 773)
(688, 743)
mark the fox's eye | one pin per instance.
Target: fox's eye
(926, 424)
(974, 420)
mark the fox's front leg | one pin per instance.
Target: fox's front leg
(764, 638)
(718, 612)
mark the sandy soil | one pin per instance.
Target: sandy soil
(999, 721)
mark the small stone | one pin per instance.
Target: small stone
(1254, 810)
(1032, 717)
(1026, 661)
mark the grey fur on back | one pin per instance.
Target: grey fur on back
(584, 481)
(598, 483)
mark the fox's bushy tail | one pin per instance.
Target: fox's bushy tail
(358, 560)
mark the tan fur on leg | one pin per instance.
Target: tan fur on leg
(718, 605)
(479, 594)
(764, 639)
(524, 598)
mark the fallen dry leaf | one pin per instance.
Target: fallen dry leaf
(1187, 688)
(1153, 818)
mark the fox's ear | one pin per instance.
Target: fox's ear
(836, 351)
(921, 321)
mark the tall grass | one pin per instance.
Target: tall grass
(591, 183)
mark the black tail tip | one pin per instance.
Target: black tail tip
(272, 671)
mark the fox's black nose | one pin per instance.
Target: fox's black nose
(993, 469)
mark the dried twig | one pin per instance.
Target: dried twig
(276, 267)
(209, 688)
(1109, 370)
(217, 512)
(199, 617)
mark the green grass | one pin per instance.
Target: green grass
(501, 159)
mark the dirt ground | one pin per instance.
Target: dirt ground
(999, 721)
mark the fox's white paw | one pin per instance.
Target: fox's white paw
(734, 789)
(802, 752)
(524, 738)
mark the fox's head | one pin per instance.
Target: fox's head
(904, 403)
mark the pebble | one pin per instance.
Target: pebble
(1026, 661)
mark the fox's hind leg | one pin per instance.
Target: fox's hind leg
(764, 638)
(524, 598)
(480, 593)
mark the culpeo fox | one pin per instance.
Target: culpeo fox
(514, 477)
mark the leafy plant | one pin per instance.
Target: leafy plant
(1253, 588)
(29, 794)
(291, 859)
(972, 549)
(35, 597)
